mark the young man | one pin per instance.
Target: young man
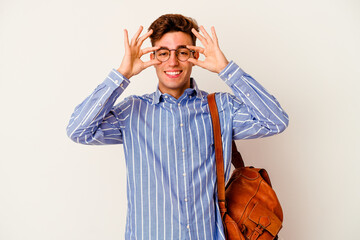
(167, 135)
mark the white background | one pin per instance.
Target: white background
(54, 53)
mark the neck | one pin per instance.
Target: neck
(174, 92)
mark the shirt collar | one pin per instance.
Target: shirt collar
(192, 91)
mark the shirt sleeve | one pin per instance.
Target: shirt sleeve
(96, 120)
(255, 112)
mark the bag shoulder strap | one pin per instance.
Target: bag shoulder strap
(218, 152)
(236, 158)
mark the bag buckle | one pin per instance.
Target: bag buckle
(264, 222)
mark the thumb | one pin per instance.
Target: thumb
(197, 62)
(151, 63)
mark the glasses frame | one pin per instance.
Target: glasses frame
(181, 47)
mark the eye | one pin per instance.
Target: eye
(162, 53)
(183, 52)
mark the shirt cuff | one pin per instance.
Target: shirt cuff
(116, 79)
(230, 73)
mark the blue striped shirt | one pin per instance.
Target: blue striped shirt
(169, 152)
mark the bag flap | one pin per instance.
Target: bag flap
(266, 218)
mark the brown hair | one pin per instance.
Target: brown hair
(172, 23)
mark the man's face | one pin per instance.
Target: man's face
(174, 75)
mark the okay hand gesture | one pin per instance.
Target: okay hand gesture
(215, 61)
(131, 63)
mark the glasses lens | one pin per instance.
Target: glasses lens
(183, 54)
(162, 55)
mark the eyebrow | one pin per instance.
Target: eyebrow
(180, 46)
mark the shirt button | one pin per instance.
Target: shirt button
(100, 104)
(116, 81)
(121, 85)
(248, 94)
(185, 199)
(179, 104)
(184, 174)
(183, 150)
(188, 226)
(229, 75)
(181, 125)
(166, 96)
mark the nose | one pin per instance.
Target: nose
(173, 61)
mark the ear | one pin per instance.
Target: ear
(196, 55)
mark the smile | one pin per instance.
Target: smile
(173, 73)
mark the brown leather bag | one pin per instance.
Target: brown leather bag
(248, 205)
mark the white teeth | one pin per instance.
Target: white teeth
(172, 73)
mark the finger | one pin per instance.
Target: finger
(213, 33)
(142, 39)
(207, 36)
(136, 36)
(151, 63)
(196, 48)
(126, 39)
(196, 62)
(201, 38)
(149, 49)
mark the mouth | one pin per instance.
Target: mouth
(173, 73)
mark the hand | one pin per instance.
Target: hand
(215, 61)
(131, 63)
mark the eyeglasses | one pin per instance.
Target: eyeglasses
(181, 53)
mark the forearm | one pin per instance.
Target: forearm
(261, 105)
(88, 115)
